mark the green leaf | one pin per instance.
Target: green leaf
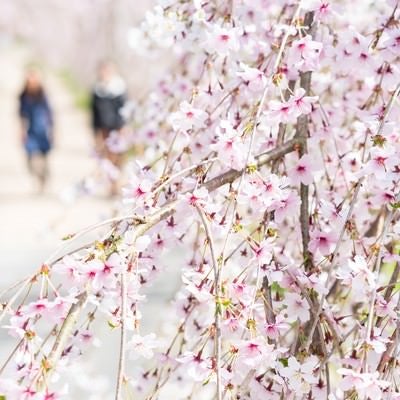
(284, 361)
(66, 237)
(395, 205)
(277, 289)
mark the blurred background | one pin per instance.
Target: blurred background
(65, 41)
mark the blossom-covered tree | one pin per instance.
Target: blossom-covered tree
(272, 166)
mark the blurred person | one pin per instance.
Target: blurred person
(107, 101)
(36, 126)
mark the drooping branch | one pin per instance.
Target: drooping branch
(9, 304)
(49, 364)
(142, 225)
(262, 159)
(217, 299)
(302, 135)
(122, 347)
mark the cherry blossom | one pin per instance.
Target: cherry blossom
(142, 346)
(282, 111)
(305, 54)
(273, 329)
(300, 376)
(196, 367)
(322, 242)
(222, 40)
(366, 384)
(303, 171)
(392, 42)
(197, 198)
(254, 353)
(301, 103)
(253, 78)
(188, 117)
(263, 252)
(381, 163)
(297, 307)
(287, 207)
(229, 145)
(137, 190)
(264, 201)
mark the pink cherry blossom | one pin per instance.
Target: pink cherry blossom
(381, 163)
(222, 40)
(300, 376)
(360, 269)
(253, 78)
(263, 252)
(296, 307)
(305, 53)
(196, 367)
(137, 190)
(323, 9)
(260, 391)
(303, 171)
(287, 207)
(274, 329)
(230, 145)
(301, 103)
(366, 384)
(142, 346)
(188, 117)
(197, 198)
(242, 293)
(282, 111)
(322, 242)
(392, 41)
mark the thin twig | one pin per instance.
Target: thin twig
(217, 296)
(262, 159)
(61, 340)
(16, 295)
(122, 348)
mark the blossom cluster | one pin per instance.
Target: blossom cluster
(272, 168)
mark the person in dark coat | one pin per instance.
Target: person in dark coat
(37, 126)
(108, 99)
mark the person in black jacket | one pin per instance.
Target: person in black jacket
(108, 98)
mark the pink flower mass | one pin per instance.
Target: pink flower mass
(264, 200)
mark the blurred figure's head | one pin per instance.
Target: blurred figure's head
(106, 71)
(33, 83)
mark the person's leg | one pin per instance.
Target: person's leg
(100, 142)
(32, 163)
(34, 169)
(29, 162)
(43, 171)
(115, 160)
(37, 164)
